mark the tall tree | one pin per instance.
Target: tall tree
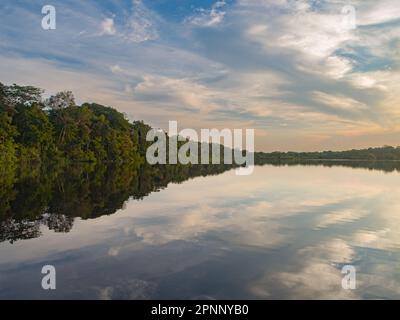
(61, 100)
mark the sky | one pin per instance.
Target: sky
(305, 74)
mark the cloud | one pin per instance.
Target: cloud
(208, 18)
(374, 13)
(283, 67)
(116, 69)
(142, 24)
(339, 102)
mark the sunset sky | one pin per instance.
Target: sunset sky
(296, 71)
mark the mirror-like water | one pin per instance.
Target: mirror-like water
(284, 232)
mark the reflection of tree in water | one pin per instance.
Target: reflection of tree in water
(54, 197)
(32, 198)
(386, 166)
(13, 230)
(58, 222)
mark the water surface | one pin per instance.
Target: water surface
(284, 232)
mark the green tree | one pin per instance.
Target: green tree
(35, 133)
(14, 95)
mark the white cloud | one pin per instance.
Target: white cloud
(116, 69)
(337, 101)
(208, 18)
(142, 24)
(377, 12)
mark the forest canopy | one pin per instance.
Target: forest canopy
(36, 130)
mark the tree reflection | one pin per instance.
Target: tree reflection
(34, 198)
(386, 166)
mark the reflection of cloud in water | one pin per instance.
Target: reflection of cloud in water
(133, 289)
(340, 216)
(316, 273)
(230, 224)
(316, 280)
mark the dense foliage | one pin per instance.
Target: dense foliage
(386, 153)
(37, 130)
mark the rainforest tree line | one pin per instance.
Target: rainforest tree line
(37, 130)
(386, 153)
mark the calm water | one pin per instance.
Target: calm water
(282, 233)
